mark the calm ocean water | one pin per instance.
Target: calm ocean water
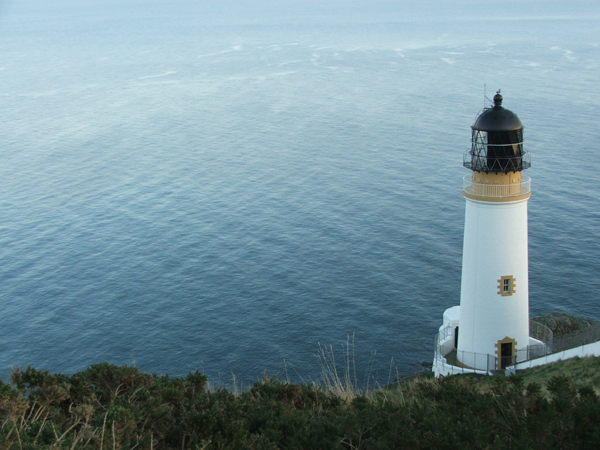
(183, 187)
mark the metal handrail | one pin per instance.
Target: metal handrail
(479, 142)
(537, 331)
(540, 332)
(496, 190)
(479, 161)
(471, 357)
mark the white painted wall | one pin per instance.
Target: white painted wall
(442, 368)
(583, 351)
(495, 245)
(451, 317)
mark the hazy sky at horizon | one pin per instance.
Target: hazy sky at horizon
(261, 11)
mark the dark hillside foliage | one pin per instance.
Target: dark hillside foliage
(563, 324)
(107, 407)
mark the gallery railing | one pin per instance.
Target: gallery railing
(496, 190)
(484, 161)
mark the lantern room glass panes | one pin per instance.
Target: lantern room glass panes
(497, 151)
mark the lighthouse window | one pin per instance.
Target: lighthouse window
(506, 285)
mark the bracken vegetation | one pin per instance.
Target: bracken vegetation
(108, 407)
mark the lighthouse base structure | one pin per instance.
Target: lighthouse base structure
(540, 351)
(448, 360)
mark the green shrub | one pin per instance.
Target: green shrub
(108, 407)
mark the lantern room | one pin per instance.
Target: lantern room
(497, 142)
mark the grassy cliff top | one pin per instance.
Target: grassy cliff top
(112, 407)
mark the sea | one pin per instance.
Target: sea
(273, 188)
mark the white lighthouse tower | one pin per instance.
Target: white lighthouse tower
(491, 325)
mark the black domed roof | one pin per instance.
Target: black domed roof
(497, 118)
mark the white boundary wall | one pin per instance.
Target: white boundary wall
(442, 368)
(583, 351)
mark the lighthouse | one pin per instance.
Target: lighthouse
(491, 325)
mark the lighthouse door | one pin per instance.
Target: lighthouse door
(506, 356)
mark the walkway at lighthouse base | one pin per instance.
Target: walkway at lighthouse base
(542, 349)
(449, 361)
(582, 351)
